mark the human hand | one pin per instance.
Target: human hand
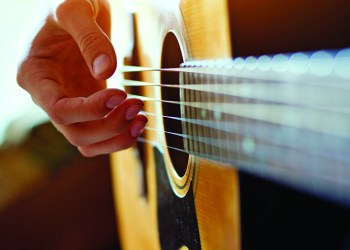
(65, 71)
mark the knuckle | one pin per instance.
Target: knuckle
(88, 40)
(56, 118)
(90, 110)
(33, 70)
(65, 8)
(62, 9)
(22, 72)
(95, 5)
(56, 111)
(19, 76)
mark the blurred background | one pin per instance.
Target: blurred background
(50, 196)
(19, 19)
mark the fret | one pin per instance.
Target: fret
(193, 114)
(184, 110)
(200, 129)
(210, 116)
(219, 117)
(290, 125)
(205, 115)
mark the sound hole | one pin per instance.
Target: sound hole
(172, 58)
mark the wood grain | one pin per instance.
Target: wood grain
(215, 188)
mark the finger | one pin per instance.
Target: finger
(78, 19)
(103, 17)
(119, 142)
(69, 110)
(61, 108)
(115, 123)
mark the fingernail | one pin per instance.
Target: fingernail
(132, 112)
(114, 101)
(101, 63)
(137, 129)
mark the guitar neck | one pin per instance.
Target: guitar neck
(283, 117)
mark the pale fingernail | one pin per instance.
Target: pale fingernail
(132, 112)
(137, 129)
(114, 101)
(101, 64)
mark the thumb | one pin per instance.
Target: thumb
(78, 18)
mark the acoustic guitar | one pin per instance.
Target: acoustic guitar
(247, 144)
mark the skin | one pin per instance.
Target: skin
(65, 72)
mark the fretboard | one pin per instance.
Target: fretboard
(282, 117)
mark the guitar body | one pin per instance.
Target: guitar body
(167, 199)
(211, 191)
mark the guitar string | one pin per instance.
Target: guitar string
(222, 144)
(192, 87)
(287, 169)
(210, 106)
(249, 132)
(319, 153)
(333, 123)
(199, 122)
(227, 126)
(318, 63)
(338, 84)
(243, 71)
(316, 162)
(285, 95)
(311, 162)
(280, 159)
